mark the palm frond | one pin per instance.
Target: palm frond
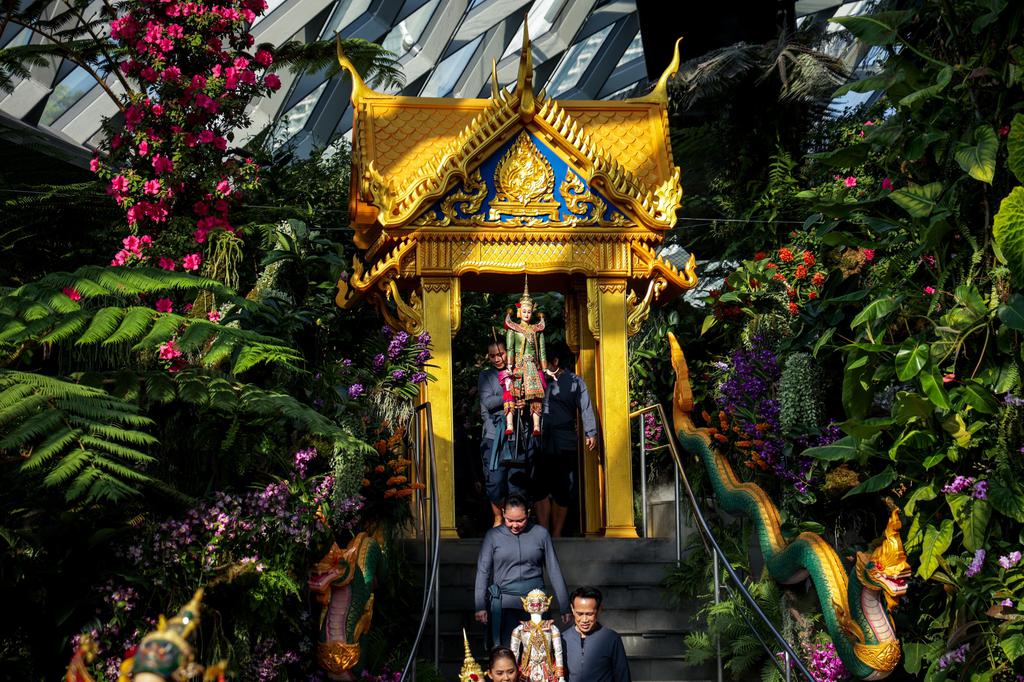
(379, 67)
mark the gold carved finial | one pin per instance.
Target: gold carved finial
(660, 91)
(494, 79)
(359, 87)
(471, 671)
(524, 84)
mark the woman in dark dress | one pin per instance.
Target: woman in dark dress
(513, 559)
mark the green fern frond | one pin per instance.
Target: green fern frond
(78, 437)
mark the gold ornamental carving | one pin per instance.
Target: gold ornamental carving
(637, 309)
(524, 183)
(467, 201)
(881, 656)
(611, 286)
(593, 315)
(586, 207)
(572, 321)
(410, 315)
(437, 284)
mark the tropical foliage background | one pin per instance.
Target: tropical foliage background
(180, 396)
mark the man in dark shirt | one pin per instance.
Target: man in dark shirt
(556, 470)
(499, 482)
(593, 653)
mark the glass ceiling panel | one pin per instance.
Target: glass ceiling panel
(295, 118)
(271, 6)
(447, 73)
(67, 92)
(575, 62)
(541, 17)
(404, 37)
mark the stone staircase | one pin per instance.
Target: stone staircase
(629, 574)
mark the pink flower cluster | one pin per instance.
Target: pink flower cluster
(133, 250)
(195, 78)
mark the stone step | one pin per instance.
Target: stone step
(620, 620)
(615, 597)
(607, 550)
(584, 573)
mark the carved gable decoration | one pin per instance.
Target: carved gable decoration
(524, 183)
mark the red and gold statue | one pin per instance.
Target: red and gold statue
(524, 380)
(537, 643)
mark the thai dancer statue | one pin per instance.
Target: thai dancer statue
(524, 380)
(537, 643)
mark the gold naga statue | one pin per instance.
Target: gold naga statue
(163, 655)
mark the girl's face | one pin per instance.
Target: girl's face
(504, 670)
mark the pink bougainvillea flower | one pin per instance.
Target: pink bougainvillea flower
(157, 110)
(213, 316)
(191, 261)
(162, 164)
(206, 136)
(169, 350)
(264, 58)
(132, 244)
(94, 164)
(850, 181)
(120, 258)
(929, 290)
(151, 187)
(119, 184)
(167, 263)
(887, 184)
(272, 81)
(72, 294)
(869, 254)
(164, 305)
(224, 187)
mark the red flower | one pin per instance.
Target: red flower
(793, 309)
(779, 277)
(811, 295)
(818, 279)
(801, 271)
(809, 258)
(760, 255)
(272, 81)
(785, 255)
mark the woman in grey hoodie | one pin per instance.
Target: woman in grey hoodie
(513, 559)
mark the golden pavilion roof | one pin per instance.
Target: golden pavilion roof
(409, 151)
(585, 187)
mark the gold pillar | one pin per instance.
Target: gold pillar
(592, 518)
(613, 376)
(441, 308)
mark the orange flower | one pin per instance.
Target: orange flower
(720, 438)
(779, 277)
(417, 486)
(809, 258)
(379, 468)
(760, 255)
(801, 271)
(771, 266)
(405, 493)
(390, 492)
(818, 279)
(785, 255)
(742, 443)
(793, 309)
(791, 293)
(811, 295)
(366, 482)
(397, 480)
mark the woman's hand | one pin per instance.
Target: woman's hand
(482, 616)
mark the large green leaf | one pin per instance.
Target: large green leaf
(1008, 231)
(1013, 646)
(875, 29)
(972, 516)
(931, 384)
(876, 310)
(843, 449)
(941, 81)
(1007, 499)
(1015, 146)
(918, 200)
(979, 160)
(936, 542)
(844, 157)
(875, 483)
(910, 360)
(1012, 312)
(920, 494)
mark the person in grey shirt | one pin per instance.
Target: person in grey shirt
(513, 559)
(556, 469)
(593, 653)
(500, 481)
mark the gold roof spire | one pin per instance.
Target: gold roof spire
(359, 87)
(524, 83)
(660, 92)
(494, 79)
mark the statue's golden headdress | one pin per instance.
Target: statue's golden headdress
(526, 293)
(471, 671)
(535, 595)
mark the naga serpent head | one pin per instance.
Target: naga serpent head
(886, 569)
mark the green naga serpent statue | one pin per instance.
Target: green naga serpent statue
(343, 584)
(855, 606)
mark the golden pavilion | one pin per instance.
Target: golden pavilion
(471, 194)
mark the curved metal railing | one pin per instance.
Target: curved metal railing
(431, 537)
(790, 659)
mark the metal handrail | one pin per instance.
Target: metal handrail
(791, 660)
(431, 540)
